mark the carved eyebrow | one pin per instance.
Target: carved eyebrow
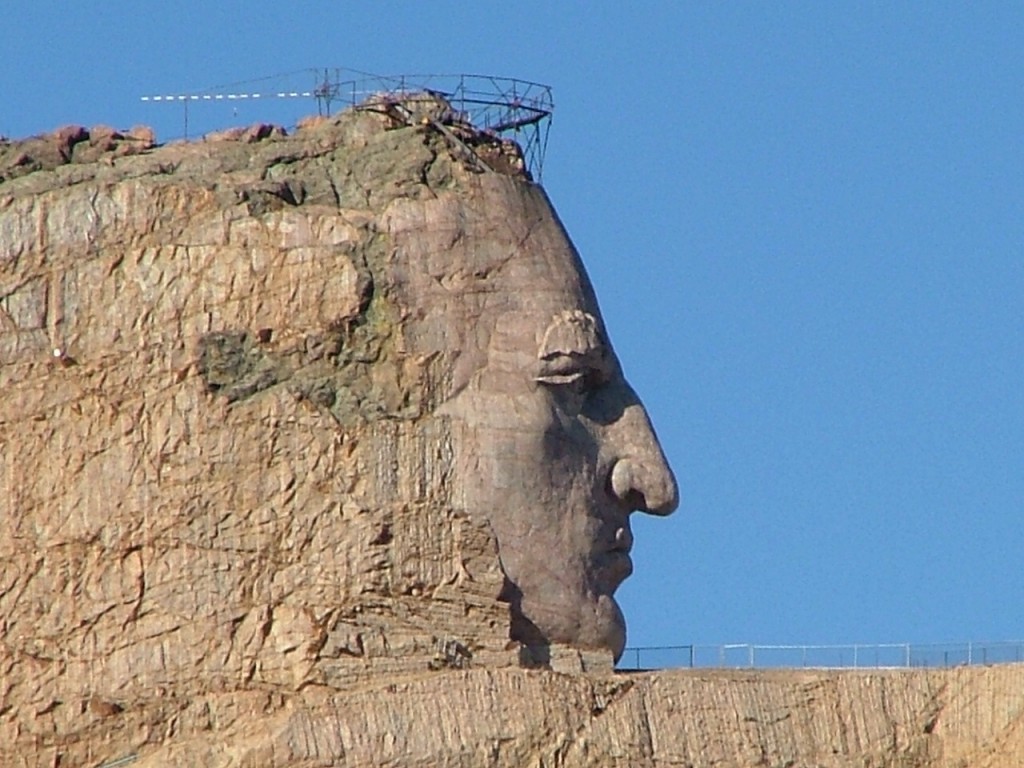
(574, 334)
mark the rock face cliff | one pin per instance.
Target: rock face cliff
(215, 464)
(242, 518)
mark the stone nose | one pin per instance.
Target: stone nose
(645, 488)
(641, 477)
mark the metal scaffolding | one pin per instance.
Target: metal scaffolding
(501, 107)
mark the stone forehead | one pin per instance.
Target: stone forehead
(495, 234)
(487, 270)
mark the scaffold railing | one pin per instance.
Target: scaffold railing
(506, 107)
(852, 656)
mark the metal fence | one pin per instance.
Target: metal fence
(748, 656)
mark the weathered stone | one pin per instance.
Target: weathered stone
(249, 135)
(70, 144)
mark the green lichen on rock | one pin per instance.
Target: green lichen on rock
(232, 365)
(348, 369)
(352, 369)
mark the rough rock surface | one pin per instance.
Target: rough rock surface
(955, 718)
(70, 144)
(214, 465)
(246, 520)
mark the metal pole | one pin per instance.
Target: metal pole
(691, 655)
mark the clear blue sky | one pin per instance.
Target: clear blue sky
(805, 224)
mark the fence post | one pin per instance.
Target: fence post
(637, 651)
(691, 655)
(907, 656)
(750, 655)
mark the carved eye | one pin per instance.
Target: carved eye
(561, 379)
(576, 377)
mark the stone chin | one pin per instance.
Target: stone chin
(609, 626)
(596, 623)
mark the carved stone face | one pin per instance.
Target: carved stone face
(348, 394)
(552, 445)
